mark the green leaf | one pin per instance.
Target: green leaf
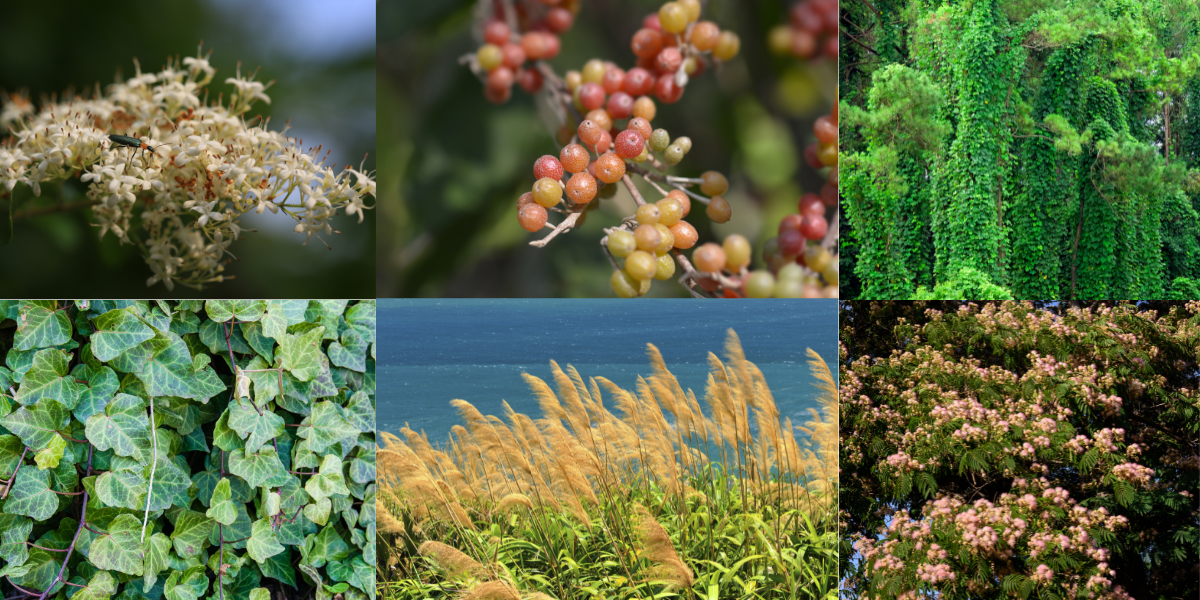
(281, 314)
(262, 544)
(38, 425)
(258, 468)
(119, 549)
(31, 495)
(40, 325)
(328, 546)
(189, 585)
(300, 354)
(48, 457)
(224, 437)
(169, 371)
(157, 552)
(221, 508)
(14, 532)
(360, 411)
(191, 533)
(118, 331)
(124, 488)
(325, 426)
(318, 511)
(260, 594)
(123, 427)
(101, 587)
(170, 481)
(97, 392)
(280, 567)
(350, 352)
(49, 377)
(328, 481)
(251, 425)
(221, 311)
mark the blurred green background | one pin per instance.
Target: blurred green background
(454, 164)
(321, 56)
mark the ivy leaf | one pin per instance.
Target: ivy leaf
(157, 550)
(11, 448)
(318, 511)
(281, 314)
(259, 467)
(119, 549)
(280, 567)
(190, 585)
(170, 371)
(31, 496)
(325, 427)
(327, 546)
(224, 437)
(328, 481)
(355, 572)
(360, 411)
(118, 331)
(191, 533)
(101, 587)
(169, 482)
(300, 354)
(97, 392)
(124, 488)
(49, 457)
(37, 425)
(262, 544)
(362, 317)
(221, 311)
(14, 532)
(123, 427)
(350, 352)
(257, 429)
(41, 325)
(260, 594)
(49, 377)
(221, 508)
(362, 467)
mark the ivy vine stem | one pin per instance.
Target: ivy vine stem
(78, 530)
(153, 464)
(14, 475)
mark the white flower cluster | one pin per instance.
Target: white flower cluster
(201, 167)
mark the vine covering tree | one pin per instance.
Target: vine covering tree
(1021, 148)
(1019, 450)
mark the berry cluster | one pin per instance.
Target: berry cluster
(501, 60)
(723, 269)
(811, 32)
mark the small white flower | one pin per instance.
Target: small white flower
(207, 213)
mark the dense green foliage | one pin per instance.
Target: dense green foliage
(1021, 148)
(1001, 450)
(148, 451)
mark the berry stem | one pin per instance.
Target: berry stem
(567, 223)
(637, 196)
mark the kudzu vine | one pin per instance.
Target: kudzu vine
(187, 450)
(1049, 149)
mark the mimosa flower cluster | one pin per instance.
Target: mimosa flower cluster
(204, 166)
(1011, 441)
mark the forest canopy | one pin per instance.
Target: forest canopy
(1038, 149)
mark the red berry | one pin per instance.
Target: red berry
(629, 143)
(640, 125)
(500, 78)
(514, 55)
(496, 32)
(604, 144)
(790, 223)
(665, 89)
(791, 242)
(651, 22)
(646, 43)
(497, 95)
(553, 45)
(589, 132)
(638, 82)
(532, 217)
(548, 166)
(574, 158)
(803, 43)
(559, 19)
(810, 156)
(668, 60)
(829, 193)
(814, 227)
(614, 79)
(826, 130)
(591, 96)
(620, 105)
(810, 204)
(530, 80)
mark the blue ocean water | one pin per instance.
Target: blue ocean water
(433, 351)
